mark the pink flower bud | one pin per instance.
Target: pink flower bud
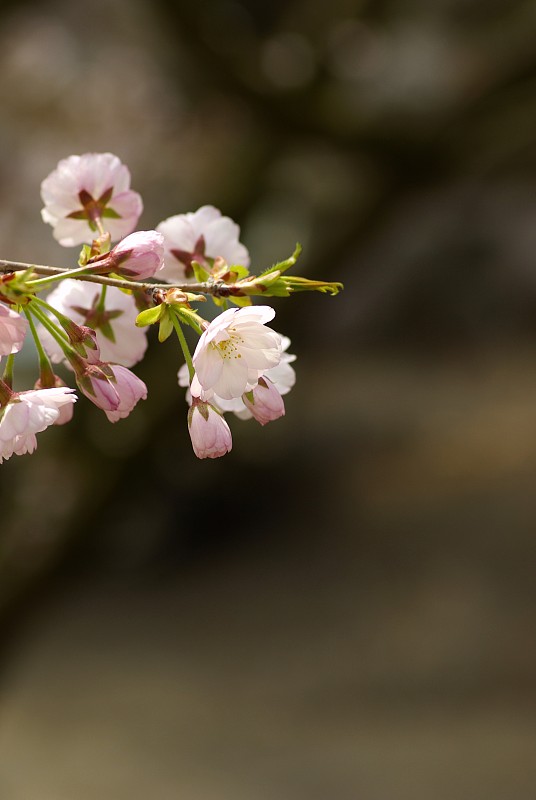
(83, 339)
(129, 389)
(97, 387)
(210, 434)
(136, 256)
(12, 330)
(264, 402)
(111, 387)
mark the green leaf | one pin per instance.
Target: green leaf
(241, 301)
(149, 316)
(277, 289)
(201, 275)
(85, 255)
(189, 316)
(297, 284)
(166, 328)
(282, 266)
(240, 271)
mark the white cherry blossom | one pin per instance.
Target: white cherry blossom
(77, 300)
(83, 188)
(13, 329)
(28, 413)
(283, 377)
(198, 235)
(235, 350)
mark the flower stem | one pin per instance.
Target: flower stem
(72, 273)
(100, 226)
(59, 316)
(7, 377)
(54, 331)
(45, 368)
(184, 346)
(102, 299)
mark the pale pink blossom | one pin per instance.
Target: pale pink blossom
(137, 256)
(209, 432)
(197, 236)
(84, 188)
(66, 410)
(78, 300)
(283, 377)
(130, 389)
(264, 402)
(28, 413)
(111, 387)
(235, 350)
(13, 329)
(65, 415)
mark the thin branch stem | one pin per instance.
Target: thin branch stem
(7, 377)
(59, 336)
(62, 318)
(43, 282)
(43, 358)
(216, 288)
(45, 367)
(184, 345)
(102, 299)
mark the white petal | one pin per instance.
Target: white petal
(221, 238)
(208, 366)
(232, 381)
(201, 218)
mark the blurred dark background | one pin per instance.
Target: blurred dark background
(344, 606)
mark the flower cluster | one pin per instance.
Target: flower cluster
(94, 318)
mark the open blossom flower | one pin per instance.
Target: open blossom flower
(137, 256)
(113, 388)
(84, 188)
(28, 413)
(13, 329)
(235, 350)
(66, 410)
(78, 300)
(197, 236)
(282, 377)
(210, 434)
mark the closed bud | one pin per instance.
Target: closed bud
(137, 256)
(264, 402)
(209, 432)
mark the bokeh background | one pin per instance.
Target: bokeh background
(344, 606)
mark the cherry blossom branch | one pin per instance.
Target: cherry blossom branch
(214, 288)
(241, 364)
